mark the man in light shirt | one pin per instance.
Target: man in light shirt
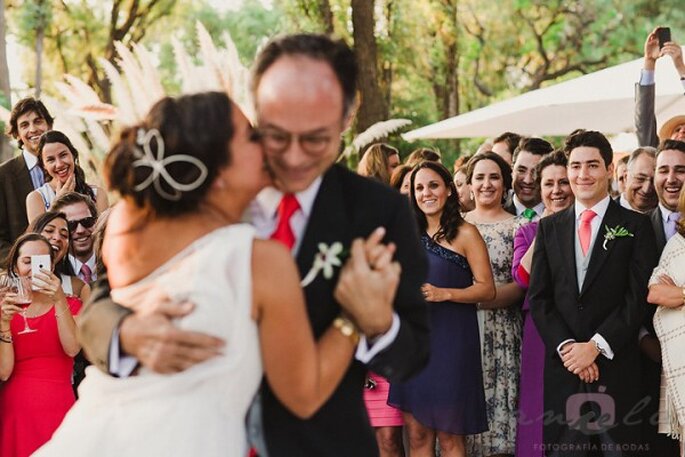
(588, 300)
(81, 215)
(19, 176)
(645, 119)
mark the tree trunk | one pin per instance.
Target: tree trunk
(40, 35)
(373, 107)
(326, 16)
(5, 150)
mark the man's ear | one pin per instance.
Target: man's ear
(351, 113)
(610, 169)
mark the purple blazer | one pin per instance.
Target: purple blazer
(522, 240)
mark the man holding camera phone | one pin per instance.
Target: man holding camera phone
(658, 44)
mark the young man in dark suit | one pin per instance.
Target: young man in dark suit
(304, 87)
(29, 119)
(588, 299)
(669, 177)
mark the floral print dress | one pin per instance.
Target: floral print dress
(501, 347)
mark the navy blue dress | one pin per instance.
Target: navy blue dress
(447, 395)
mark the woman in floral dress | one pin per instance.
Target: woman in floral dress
(500, 319)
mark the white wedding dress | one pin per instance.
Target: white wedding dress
(201, 411)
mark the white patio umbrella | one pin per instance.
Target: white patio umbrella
(603, 100)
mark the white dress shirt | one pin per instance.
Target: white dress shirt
(665, 215)
(76, 264)
(520, 208)
(583, 262)
(263, 213)
(36, 173)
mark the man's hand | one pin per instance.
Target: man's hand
(161, 347)
(652, 51)
(590, 374)
(674, 50)
(368, 283)
(579, 356)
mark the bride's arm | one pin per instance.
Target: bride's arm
(302, 373)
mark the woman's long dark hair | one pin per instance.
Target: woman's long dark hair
(38, 225)
(450, 219)
(54, 136)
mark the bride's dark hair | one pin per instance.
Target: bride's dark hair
(198, 126)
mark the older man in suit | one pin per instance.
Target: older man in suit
(29, 119)
(304, 87)
(588, 299)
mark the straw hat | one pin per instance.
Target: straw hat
(667, 129)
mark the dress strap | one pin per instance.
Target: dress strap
(66, 285)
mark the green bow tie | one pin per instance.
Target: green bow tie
(529, 213)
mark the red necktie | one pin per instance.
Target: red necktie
(86, 274)
(585, 230)
(286, 209)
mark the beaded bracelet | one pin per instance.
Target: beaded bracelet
(7, 339)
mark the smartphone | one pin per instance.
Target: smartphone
(38, 262)
(664, 35)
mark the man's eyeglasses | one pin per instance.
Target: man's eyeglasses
(278, 141)
(86, 222)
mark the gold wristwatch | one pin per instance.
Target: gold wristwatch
(347, 328)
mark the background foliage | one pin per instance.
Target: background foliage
(433, 58)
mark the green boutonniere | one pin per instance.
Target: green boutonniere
(613, 233)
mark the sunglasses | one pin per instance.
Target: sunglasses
(86, 222)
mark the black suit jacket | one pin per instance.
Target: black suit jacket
(658, 226)
(15, 185)
(349, 206)
(612, 302)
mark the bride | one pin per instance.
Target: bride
(186, 175)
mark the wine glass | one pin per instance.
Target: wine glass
(22, 287)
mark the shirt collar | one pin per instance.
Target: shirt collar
(665, 212)
(76, 263)
(600, 208)
(30, 159)
(269, 199)
(520, 207)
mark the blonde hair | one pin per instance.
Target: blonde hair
(374, 163)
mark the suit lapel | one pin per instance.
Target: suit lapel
(566, 227)
(658, 226)
(327, 222)
(612, 218)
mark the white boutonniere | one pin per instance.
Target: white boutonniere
(613, 233)
(324, 260)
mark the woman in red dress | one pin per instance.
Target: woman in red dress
(35, 367)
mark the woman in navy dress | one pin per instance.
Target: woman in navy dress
(446, 399)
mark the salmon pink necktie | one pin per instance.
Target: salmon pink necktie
(585, 230)
(284, 233)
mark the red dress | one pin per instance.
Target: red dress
(34, 400)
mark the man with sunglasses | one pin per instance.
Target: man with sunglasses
(81, 215)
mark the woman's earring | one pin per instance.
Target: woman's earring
(471, 196)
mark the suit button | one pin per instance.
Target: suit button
(580, 306)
